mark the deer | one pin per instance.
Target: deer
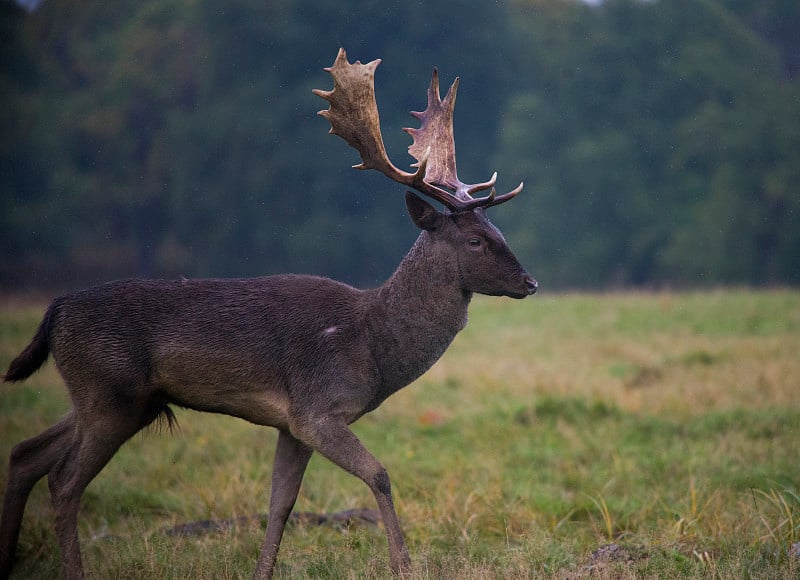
(304, 354)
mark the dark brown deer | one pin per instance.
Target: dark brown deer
(303, 354)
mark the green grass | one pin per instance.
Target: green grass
(665, 423)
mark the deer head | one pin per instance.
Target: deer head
(486, 264)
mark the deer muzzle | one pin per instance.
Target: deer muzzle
(531, 284)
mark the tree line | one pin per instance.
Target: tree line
(659, 141)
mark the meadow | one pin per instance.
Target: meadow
(622, 435)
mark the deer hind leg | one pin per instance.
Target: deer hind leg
(291, 460)
(335, 441)
(29, 462)
(98, 434)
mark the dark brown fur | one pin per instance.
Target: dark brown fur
(306, 355)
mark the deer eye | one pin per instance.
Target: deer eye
(474, 241)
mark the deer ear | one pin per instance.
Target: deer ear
(423, 214)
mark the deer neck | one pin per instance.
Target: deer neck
(416, 314)
(425, 290)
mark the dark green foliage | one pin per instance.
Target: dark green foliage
(659, 141)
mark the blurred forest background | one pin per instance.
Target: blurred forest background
(659, 141)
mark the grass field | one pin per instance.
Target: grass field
(665, 425)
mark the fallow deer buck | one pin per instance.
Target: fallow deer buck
(303, 354)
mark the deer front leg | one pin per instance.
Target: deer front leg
(335, 441)
(291, 459)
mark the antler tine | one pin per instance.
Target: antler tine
(493, 199)
(507, 196)
(353, 115)
(483, 186)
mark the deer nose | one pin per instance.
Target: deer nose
(531, 284)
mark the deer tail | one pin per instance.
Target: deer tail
(34, 355)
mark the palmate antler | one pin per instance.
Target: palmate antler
(353, 115)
